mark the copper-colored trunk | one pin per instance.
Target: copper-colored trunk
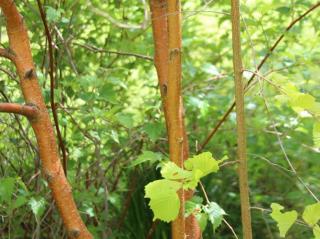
(41, 124)
(167, 40)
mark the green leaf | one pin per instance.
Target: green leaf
(203, 162)
(316, 232)
(88, 208)
(125, 119)
(290, 89)
(53, 15)
(107, 93)
(210, 69)
(146, 156)
(311, 214)
(202, 219)
(153, 130)
(172, 171)
(215, 214)
(315, 109)
(284, 220)
(6, 189)
(37, 206)
(114, 135)
(20, 201)
(193, 205)
(164, 200)
(316, 134)
(304, 101)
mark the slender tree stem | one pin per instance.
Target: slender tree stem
(261, 64)
(241, 128)
(166, 26)
(175, 125)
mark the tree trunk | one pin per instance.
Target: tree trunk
(168, 64)
(41, 124)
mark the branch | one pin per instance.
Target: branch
(265, 58)
(241, 126)
(120, 53)
(10, 74)
(52, 87)
(26, 110)
(7, 53)
(119, 24)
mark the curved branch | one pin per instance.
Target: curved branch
(26, 110)
(7, 53)
(261, 64)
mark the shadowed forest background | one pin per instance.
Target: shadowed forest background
(112, 125)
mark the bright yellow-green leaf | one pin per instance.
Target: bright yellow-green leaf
(311, 214)
(316, 232)
(284, 220)
(315, 109)
(304, 101)
(316, 134)
(172, 171)
(290, 89)
(164, 200)
(203, 162)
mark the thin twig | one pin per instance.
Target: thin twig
(230, 227)
(119, 24)
(120, 53)
(204, 192)
(52, 86)
(293, 170)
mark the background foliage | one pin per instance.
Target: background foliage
(110, 113)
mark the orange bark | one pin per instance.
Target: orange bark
(168, 64)
(41, 124)
(25, 110)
